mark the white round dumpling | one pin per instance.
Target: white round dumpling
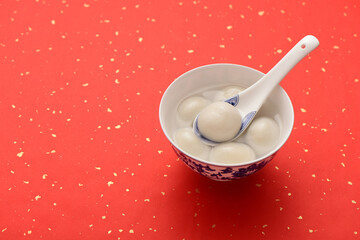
(232, 91)
(219, 122)
(190, 107)
(231, 153)
(228, 92)
(263, 135)
(190, 143)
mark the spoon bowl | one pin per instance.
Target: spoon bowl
(251, 99)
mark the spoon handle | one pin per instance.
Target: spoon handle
(268, 82)
(293, 57)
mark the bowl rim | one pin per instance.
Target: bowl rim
(259, 159)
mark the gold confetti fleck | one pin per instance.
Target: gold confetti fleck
(350, 183)
(148, 139)
(323, 69)
(335, 47)
(109, 231)
(190, 51)
(311, 231)
(117, 126)
(86, 5)
(343, 110)
(109, 110)
(261, 13)
(29, 232)
(279, 51)
(229, 27)
(3, 230)
(121, 230)
(265, 225)
(98, 168)
(140, 39)
(343, 164)
(80, 184)
(53, 135)
(306, 150)
(131, 231)
(303, 110)
(147, 200)
(37, 197)
(163, 193)
(249, 57)
(85, 84)
(356, 80)
(313, 175)
(213, 226)
(53, 22)
(20, 154)
(258, 185)
(300, 217)
(353, 201)
(103, 217)
(222, 46)
(110, 183)
(289, 194)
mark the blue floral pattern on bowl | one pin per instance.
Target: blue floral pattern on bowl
(222, 173)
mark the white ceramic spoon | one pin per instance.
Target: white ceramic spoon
(249, 101)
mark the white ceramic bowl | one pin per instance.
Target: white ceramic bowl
(220, 74)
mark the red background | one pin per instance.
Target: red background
(82, 154)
